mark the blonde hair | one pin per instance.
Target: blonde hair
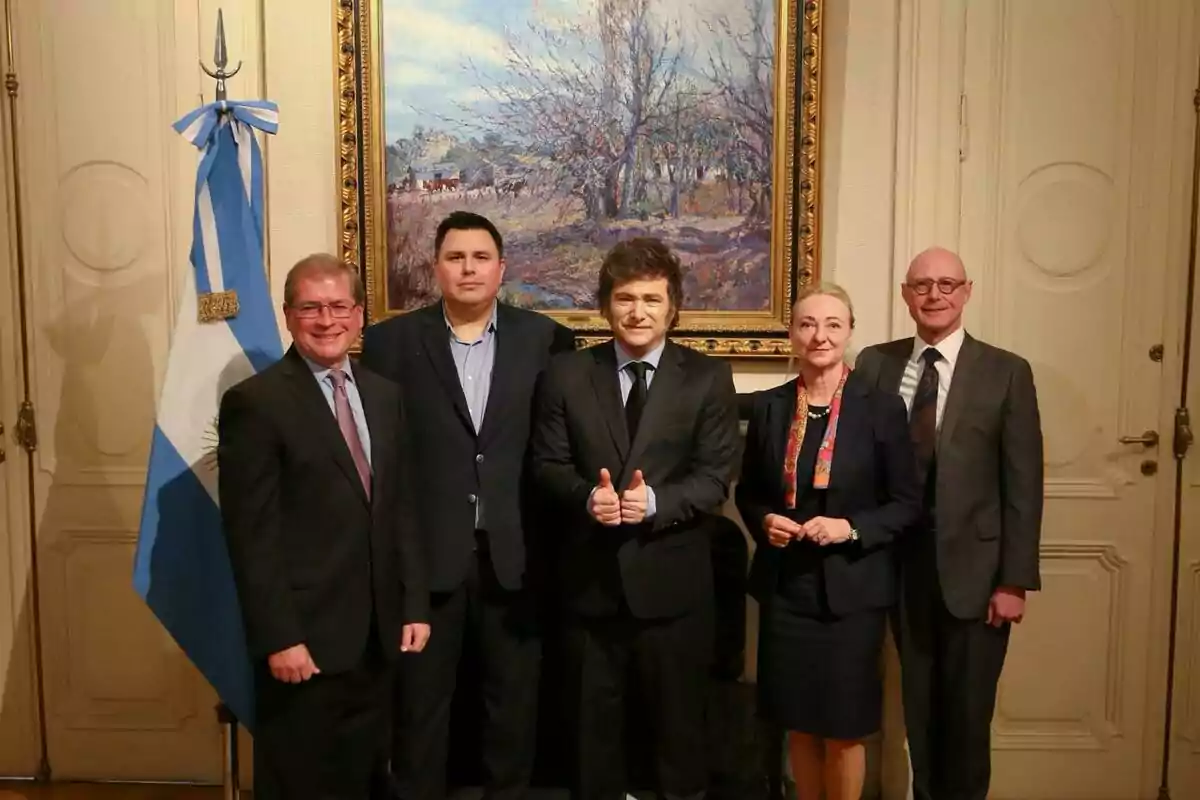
(816, 290)
(827, 289)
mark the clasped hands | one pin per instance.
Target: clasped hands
(823, 530)
(612, 509)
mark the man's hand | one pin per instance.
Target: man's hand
(293, 665)
(780, 530)
(1007, 605)
(634, 500)
(413, 637)
(604, 504)
(827, 530)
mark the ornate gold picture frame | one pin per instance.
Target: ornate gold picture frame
(575, 123)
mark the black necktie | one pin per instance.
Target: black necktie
(637, 395)
(922, 422)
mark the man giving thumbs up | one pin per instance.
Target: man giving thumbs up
(632, 440)
(605, 505)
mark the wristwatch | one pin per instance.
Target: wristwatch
(854, 534)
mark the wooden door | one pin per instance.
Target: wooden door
(1075, 173)
(107, 188)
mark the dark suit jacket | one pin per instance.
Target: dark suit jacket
(873, 484)
(686, 447)
(457, 467)
(312, 556)
(988, 511)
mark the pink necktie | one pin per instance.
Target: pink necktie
(345, 421)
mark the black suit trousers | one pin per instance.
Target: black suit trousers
(669, 662)
(950, 669)
(323, 739)
(503, 627)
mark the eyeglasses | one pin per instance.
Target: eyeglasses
(313, 310)
(944, 285)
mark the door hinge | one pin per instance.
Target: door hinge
(1183, 432)
(964, 138)
(26, 430)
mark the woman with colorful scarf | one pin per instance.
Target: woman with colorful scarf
(828, 483)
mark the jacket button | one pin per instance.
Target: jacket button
(471, 499)
(479, 458)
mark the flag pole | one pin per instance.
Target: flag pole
(231, 779)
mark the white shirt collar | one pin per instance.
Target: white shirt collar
(948, 347)
(652, 358)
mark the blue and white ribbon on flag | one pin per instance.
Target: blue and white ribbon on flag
(225, 332)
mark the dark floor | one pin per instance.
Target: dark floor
(99, 791)
(737, 761)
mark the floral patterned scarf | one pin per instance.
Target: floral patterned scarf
(796, 439)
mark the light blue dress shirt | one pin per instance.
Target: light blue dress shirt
(474, 362)
(325, 381)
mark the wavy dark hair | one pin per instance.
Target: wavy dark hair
(638, 259)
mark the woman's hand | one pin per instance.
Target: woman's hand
(827, 530)
(780, 530)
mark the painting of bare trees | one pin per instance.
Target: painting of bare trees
(573, 124)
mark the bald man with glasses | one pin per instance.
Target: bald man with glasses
(975, 424)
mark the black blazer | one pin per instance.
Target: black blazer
(686, 447)
(312, 556)
(989, 470)
(872, 483)
(458, 468)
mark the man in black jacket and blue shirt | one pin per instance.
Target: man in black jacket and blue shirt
(468, 366)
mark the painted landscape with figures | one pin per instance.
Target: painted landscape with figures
(573, 125)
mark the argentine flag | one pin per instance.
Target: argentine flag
(225, 332)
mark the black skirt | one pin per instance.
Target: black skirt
(819, 674)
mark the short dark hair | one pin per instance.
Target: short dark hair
(466, 221)
(638, 259)
(322, 265)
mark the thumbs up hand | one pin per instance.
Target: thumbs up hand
(634, 500)
(604, 505)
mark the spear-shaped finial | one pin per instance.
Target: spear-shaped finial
(220, 59)
(220, 55)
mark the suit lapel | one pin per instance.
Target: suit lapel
(965, 374)
(437, 349)
(608, 395)
(379, 422)
(505, 366)
(311, 398)
(660, 402)
(891, 371)
(848, 430)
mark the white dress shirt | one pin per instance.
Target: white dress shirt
(949, 349)
(625, 380)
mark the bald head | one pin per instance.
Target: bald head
(936, 289)
(936, 261)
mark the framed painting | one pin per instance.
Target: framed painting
(572, 124)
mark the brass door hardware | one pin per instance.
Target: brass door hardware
(1183, 432)
(1147, 439)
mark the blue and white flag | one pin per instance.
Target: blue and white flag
(225, 332)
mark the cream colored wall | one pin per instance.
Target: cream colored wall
(860, 93)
